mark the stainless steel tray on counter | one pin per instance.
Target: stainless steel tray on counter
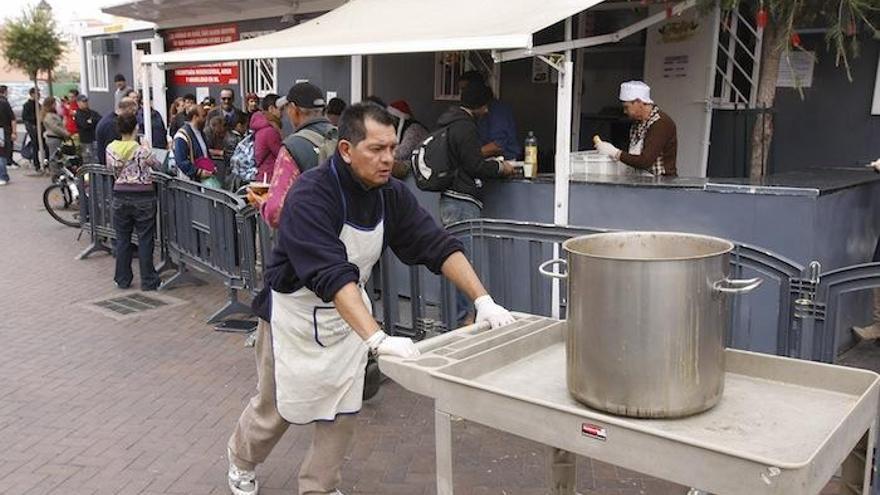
(783, 426)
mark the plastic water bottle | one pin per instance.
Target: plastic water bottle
(531, 159)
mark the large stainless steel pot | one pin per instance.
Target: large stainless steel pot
(647, 314)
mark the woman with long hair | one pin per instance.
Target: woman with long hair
(176, 108)
(53, 126)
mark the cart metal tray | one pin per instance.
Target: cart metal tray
(783, 426)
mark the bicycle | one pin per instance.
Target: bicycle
(62, 197)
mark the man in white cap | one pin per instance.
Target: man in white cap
(653, 144)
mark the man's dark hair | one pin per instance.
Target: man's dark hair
(126, 124)
(269, 101)
(189, 97)
(32, 91)
(119, 78)
(335, 106)
(4, 89)
(241, 118)
(352, 123)
(472, 76)
(73, 91)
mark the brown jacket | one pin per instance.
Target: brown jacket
(660, 148)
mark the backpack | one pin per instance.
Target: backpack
(325, 144)
(431, 164)
(243, 162)
(287, 171)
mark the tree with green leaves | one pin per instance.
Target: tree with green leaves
(32, 43)
(846, 21)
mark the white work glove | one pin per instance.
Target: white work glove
(876, 165)
(488, 310)
(608, 149)
(383, 345)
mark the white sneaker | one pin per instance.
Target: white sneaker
(3, 182)
(241, 482)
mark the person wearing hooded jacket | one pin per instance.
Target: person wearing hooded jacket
(266, 126)
(463, 200)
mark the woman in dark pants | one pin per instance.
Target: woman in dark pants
(134, 204)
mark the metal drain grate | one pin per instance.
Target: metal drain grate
(127, 305)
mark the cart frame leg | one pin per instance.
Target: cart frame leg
(443, 451)
(563, 471)
(857, 467)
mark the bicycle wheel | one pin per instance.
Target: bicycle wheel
(59, 203)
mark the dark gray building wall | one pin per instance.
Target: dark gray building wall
(102, 101)
(831, 126)
(409, 77)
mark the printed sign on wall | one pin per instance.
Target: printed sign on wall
(225, 73)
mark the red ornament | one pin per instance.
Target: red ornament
(761, 18)
(668, 11)
(795, 40)
(851, 28)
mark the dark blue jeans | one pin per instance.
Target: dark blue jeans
(451, 211)
(135, 213)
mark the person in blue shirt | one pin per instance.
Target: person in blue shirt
(497, 129)
(316, 328)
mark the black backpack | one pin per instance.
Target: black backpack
(431, 163)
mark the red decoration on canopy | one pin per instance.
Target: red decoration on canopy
(795, 40)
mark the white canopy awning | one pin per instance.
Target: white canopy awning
(368, 27)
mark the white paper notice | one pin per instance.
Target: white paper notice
(202, 93)
(796, 70)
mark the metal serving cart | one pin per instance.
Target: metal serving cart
(783, 426)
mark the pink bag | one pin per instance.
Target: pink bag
(284, 174)
(205, 163)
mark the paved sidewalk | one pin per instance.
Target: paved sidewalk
(94, 405)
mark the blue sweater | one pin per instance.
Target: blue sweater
(309, 253)
(499, 126)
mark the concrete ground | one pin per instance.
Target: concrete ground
(144, 404)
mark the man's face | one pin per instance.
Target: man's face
(227, 99)
(187, 104)
(198, 120)
(373, 158)
(636, 110)
(82, 105)
(293, 115)
(252, 105)
(120, 84)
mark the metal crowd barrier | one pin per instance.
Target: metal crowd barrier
(795, 313)
(202, 231)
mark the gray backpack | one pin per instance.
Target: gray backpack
(324, 144)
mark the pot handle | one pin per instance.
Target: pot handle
(736, 286)
(542, 268)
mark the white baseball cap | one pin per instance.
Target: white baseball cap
(635, 90)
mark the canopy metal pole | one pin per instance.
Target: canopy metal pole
(357, 78)
(563, 163)
(147, 69)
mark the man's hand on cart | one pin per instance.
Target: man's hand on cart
(489, 311)
(383, 345)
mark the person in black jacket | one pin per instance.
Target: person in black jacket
(463, 201)
(29, 116)
(106, 132)
(87, 122)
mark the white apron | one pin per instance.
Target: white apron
(319, 359)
